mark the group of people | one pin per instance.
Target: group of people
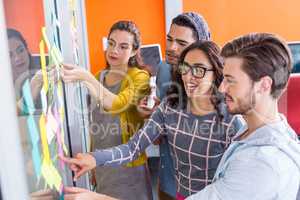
(217, 123)
(220, 132)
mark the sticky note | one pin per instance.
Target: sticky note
(59, 138)
(29, 105)
(32, 129)
(57, 56)
(44, 100)
(45, 38)
(43, 134)
(47, 174)
(51, 125)
(36, 157)
(43, 65)
(34, 137)
(57, 180)
(51, 175)
(60, 94)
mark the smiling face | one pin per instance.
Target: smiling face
(178, 38)
(120, 48)
(195, 86)
(19, 56)
(238, 88)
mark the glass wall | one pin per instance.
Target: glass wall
(40, 36)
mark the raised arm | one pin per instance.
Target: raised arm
(71, 73)
(137, 86)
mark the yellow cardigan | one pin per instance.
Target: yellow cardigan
(134, 86)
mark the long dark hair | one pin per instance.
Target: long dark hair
(177, 97)
(131, 27)
(13, 33)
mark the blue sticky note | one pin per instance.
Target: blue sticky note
(61, 197)
(34, 137)
(28, 102)
(33, 130)
(36, 157)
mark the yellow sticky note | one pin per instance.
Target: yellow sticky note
(57, 180)
(43, 65)
(45, 38)
(43, 133)
(47, 174)
(56, 55)
(72, 4)
(51, 175)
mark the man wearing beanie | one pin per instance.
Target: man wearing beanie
(185, 29)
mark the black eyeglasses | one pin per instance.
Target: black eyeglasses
(198, 71)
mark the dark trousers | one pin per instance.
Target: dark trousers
(164, 196)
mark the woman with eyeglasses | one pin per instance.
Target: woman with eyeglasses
(193, 117)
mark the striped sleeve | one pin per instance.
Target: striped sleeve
(137, 144)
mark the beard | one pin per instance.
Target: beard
(171, 58)
(243, 105)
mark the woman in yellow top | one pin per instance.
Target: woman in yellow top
(117, 91)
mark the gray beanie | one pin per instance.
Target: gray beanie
(199, 23)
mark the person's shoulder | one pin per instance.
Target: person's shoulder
(163, 73)
(100, 74)
(235, 119)
(163, 66)
(133, 71)
(270, 155)
(234, 124)
(137, 76)
(163, 63)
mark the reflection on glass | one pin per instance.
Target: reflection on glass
(21, 60)
(28, 82)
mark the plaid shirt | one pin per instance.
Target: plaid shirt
(197, 144)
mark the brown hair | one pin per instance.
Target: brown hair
(13, 33)
(263, 54)
(132, 28)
